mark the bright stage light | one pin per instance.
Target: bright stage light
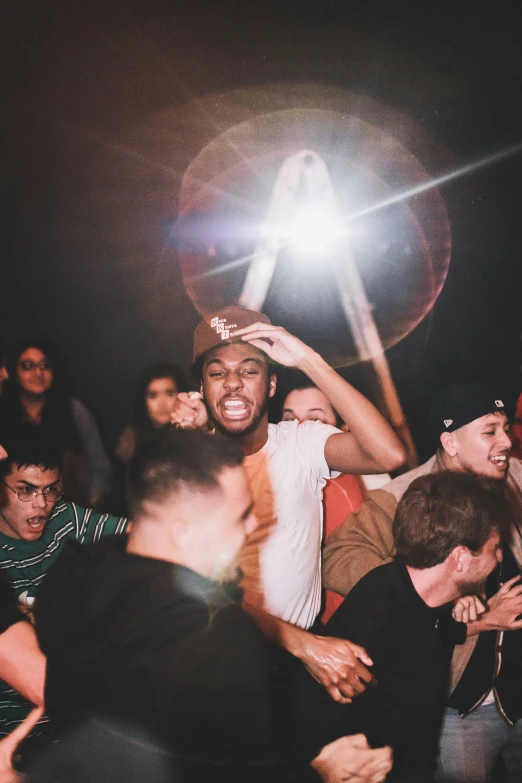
(313, 231)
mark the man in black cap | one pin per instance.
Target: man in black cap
(486, 687)
(287, 466)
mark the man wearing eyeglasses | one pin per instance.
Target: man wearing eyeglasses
(35, 524)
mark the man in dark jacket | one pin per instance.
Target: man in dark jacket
(144, 629)
(448, 537)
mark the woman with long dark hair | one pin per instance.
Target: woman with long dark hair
(39, 391)
(156, 394)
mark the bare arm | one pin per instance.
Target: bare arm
(371, 446)
(337, 664)
(9, 746)
(22, 663)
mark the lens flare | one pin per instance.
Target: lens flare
(312, 231)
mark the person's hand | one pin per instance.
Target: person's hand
(275, 341)
(189, 412)
(338, 665)
(467, 608)
(352, 759)
(9, 745)
(505, 607)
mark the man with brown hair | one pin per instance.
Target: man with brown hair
(448, 531)
(484, 714)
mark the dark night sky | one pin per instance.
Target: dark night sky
(84, 80)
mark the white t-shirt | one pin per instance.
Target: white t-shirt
(281, 560)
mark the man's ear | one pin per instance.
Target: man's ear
(447, 440)
(460, 558)
(272, 385)
(178, 532)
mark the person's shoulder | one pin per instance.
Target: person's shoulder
(80, 565)
(294, 432)
(388, 580)
(398, 486)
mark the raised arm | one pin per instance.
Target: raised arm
(371, 446)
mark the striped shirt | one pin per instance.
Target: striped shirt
(25, 563)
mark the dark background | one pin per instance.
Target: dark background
(82, 76)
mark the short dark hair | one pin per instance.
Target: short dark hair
(301, 383)
(26, 445)
(441, 511)
(175, 459)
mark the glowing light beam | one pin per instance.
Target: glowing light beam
(434, 183)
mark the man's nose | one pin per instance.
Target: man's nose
(40, 501)
(233, 381)
(506, 440)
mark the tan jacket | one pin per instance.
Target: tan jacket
(365, 541)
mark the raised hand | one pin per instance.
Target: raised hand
(189, 411)
(277, 343)
(505, 607)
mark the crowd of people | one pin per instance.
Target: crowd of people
(260, 611)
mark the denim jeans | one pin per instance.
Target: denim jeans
(469, 746)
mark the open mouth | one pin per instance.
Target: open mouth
(500, 460)
(234, 408)
(37, 524)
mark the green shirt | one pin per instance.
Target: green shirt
(25, 563)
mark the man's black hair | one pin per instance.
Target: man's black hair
(28, 445)
(172, 460)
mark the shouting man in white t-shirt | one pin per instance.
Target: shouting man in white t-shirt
(287, 465)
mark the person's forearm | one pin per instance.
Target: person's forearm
(371, 430)
(484, 623)
(22, 663)
(277, 631)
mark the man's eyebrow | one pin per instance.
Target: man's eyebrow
(26, 483)
(35, 486)
(255, 359)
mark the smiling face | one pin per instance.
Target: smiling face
(308, 404)
(236, 387)
(481, 447)
(160, 398)
(26, 520)
(34, 373)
